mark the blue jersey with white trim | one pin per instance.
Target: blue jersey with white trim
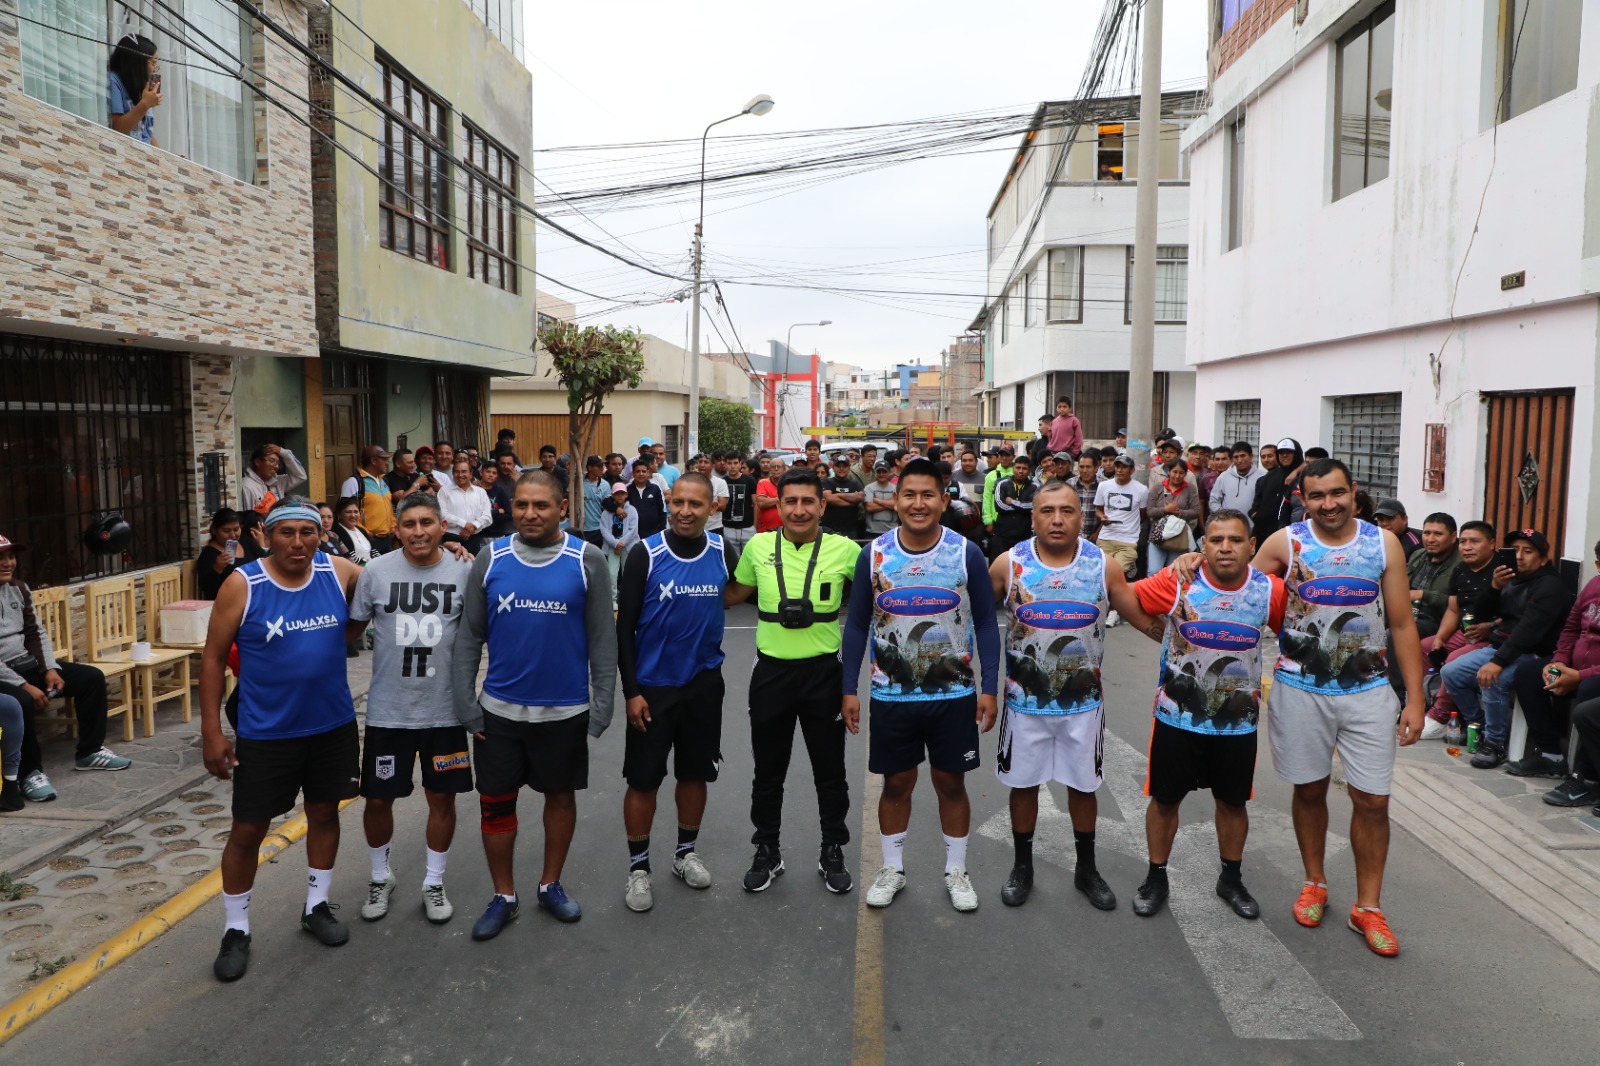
(1056, 631)
(681, 619)
(292, 666)
(537, 641)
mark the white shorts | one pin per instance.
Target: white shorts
(1305, 728)
(1035, 748)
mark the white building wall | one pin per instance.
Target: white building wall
(1397, 287)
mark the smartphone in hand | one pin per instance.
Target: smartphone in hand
(1506, 557)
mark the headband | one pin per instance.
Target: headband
(295, 512)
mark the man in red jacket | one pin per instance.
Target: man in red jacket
(1572, 672)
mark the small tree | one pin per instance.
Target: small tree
(591, 362)
(726, 426)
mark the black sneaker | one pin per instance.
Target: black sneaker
(234, 957)
(1091, 884)
(11, 796)
(830, 867)
(1488, 756)
(1151, 897)
(1573, 792)
(1238, 897)
(1014, 893)
(767, 865)
(1534, 764)
(321, 924)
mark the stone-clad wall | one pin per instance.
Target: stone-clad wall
(140, 243)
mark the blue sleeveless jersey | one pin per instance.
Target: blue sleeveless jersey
(1334, 632)
(922, 636)
(681, 620)
(1055, 631)
(1210, 675)
(537, 641)
(292, 679)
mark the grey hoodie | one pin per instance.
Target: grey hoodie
(1235, 490)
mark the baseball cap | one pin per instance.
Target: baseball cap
(619, 488)
(841, 459)
(1287, 444)
(880, 465)
(646, 442)
(1122, 432)
(1390, 509)
(594, 460)
(1063, 457)
(6, 545)
(1007, 449)
(1123, 459)
(1532, 536)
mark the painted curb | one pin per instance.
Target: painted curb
(35, 1004)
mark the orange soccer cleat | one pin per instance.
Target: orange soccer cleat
(1370, 923)
(1308, 909)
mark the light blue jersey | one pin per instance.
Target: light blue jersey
(1334, 632)
(1210, 673)
(1055, 631)
(922, 636)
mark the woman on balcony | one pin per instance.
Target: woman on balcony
(133, 88)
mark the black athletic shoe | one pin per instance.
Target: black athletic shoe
(1574, 791)
(767, 865)
(11, 796)
(321, 924)
(830, 867)
(1014, 893)
(1488, 756)
(1091, 884)
(1534, 764)
(1150, 897)
(1238, 897)
(234, 957)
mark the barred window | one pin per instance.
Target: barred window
(491, 212)
(1241, 421)
(414, 178)
(1366, 435)
(87, 430)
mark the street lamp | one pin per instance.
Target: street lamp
(760, 105)
(783, 376)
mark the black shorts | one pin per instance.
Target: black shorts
(899, 731)
(1183, 761)
(545, 756)
(390, 754)
(685, 721)
(272, 773)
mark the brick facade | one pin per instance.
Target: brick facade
(1251, 25)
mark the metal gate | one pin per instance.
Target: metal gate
(1529, 458)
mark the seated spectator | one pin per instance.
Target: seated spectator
(133, 88)
(218, 557)
(1428, 572)
(1174, 494)
(274, 473)
(252, 537)
(30, 674)
(1572, 673)
(12, 726)
(351, 533)
(464, 507)
(1468, 615)
(1391, 515)
(330, 544)
(1532, 610)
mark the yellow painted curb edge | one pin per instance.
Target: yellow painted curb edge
(36, 1003)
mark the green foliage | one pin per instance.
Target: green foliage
(726, 426)
(11, 889)
(44, 968)
(591, 362)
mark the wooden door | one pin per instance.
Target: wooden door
(1529, 459)
(341, 439)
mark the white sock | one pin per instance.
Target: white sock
(317, 884)
(512, 898)
(546, 886)
(955, 853)
(436, 861)
(894, 847)
(236, 911)
(380, 862)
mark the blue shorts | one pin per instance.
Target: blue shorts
(900, 731)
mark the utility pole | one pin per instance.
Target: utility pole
(1142, 341)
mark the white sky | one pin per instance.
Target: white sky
(630, 71)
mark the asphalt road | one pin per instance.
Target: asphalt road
(797, 975)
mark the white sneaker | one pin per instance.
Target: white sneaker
(693, 872)
(963, 897)
(1113, 619)
(885, 886)
(436, 905)
(1432, 729)
(639, 897)
(378, 893)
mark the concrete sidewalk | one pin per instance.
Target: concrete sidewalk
(91, 804)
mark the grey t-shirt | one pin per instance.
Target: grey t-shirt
(414, 611)
(880, 521)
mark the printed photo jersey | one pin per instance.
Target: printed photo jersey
(292, 668)
(1209, 680)
(1055, 631)
(1334, 632)
(414, 612)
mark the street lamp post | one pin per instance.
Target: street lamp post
(758, 106)
(783, 376)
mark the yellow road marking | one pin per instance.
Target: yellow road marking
(866, 1044)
